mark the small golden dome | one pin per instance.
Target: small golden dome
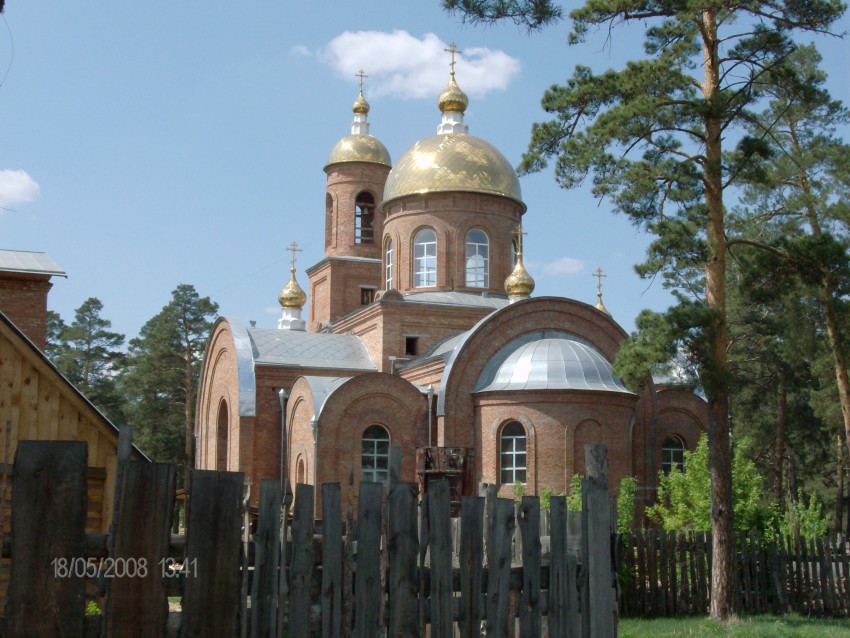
(359, 148)
(292, 296)
(360, 105)
(519, 283)
(452, 99)
(600, 305)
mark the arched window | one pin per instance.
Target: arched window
(388, 273)
(221, 437)
(514, 251)
(300, 470)
(425, 258)
(477, 259)
(512, 454)
(672, 454)
(375, 455)
(329, 218)
(364, 219)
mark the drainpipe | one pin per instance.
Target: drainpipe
(314, 424)
(430, 410)
(284, 444)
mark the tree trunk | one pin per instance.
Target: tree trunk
(839, 498)
(779, 450)
(715, 369)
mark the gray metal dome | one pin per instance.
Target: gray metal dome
(548, 360)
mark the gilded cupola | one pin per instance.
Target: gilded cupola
(292, 299)
(360, 146)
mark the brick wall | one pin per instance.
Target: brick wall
(23, 299)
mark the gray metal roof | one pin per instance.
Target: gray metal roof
(309, 350)
(548, 360)
(455, 298)
(29, 262)
(322, 388)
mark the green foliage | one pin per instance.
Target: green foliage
(519, 491)
(531, 14)
(161, 383)
(684, 497)
(90, 356)
(92, 608)
(626, 504)
(574, 494)
(806, 517)
(546, 494)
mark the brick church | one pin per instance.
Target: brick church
(423, 334)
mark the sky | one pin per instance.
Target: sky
(145, 145)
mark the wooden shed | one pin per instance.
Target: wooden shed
(38, 403)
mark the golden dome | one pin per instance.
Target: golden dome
(600, 305)
(454, 162)
(359, 148)
(360, 104)
(292, 296)
(452, 99)
(519, 283)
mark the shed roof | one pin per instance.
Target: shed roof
(29, 262)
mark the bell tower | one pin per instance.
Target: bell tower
(350, 273)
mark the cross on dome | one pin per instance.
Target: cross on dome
(453, 49)
(293, 248)
(360, 74)
(599, 275)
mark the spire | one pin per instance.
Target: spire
(292, 299)
(360, 125)
(519, 284)
(599, 305)
(452, 101)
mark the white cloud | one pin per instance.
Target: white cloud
(563, 266)
(401, 65)
(16, 187)
(300, 50)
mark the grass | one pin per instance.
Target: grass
(791, 626)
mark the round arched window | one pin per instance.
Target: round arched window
(375, 455)
(425, 258)
(672, 454)
(477, 259)
(512, 454)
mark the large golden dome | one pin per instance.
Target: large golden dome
(359, 148)
(455, 162)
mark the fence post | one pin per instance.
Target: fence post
(46, 590)
(597, 545)
(266, 560)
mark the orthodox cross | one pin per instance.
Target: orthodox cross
(293, 248)
(519, 235)
(360, 74)
(598, 274)
(453, 49)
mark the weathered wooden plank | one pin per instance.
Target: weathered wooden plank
(558, 605)
(331, 595)
(471, 558)
(597, 543)
(285, 554)
(46, 590)
(403, 547)
(302, 563)
(664, 562)
(499, 567)
(642, 574)
(573, 625)
(367, 601)
(136, 599)
(264, 594)
(530, 611)
(439, 521)
(212, 555)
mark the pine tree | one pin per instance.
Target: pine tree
(90, 356)
(162, 381)
(651, 137)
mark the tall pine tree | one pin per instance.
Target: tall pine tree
(651, 137)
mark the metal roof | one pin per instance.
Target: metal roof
(455, 298)
(548, 360)
(310, 350)
(24, 261)
(321, 388)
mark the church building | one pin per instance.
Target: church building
(423, 335)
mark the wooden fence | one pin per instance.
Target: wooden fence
(392, 573)
(668, 573)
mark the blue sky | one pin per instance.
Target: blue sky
(144, 145)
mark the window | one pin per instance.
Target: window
(514, 251)
(367, 296)
(375, 455)
(512, 454)
(425, 258)
(301, 471)
(672, 454)
(364, 219)
(477, 259)
(388, 278)
(221, 436)
(411, 345)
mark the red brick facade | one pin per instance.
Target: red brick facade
(23, 299)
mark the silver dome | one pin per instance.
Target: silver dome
(548, 360)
